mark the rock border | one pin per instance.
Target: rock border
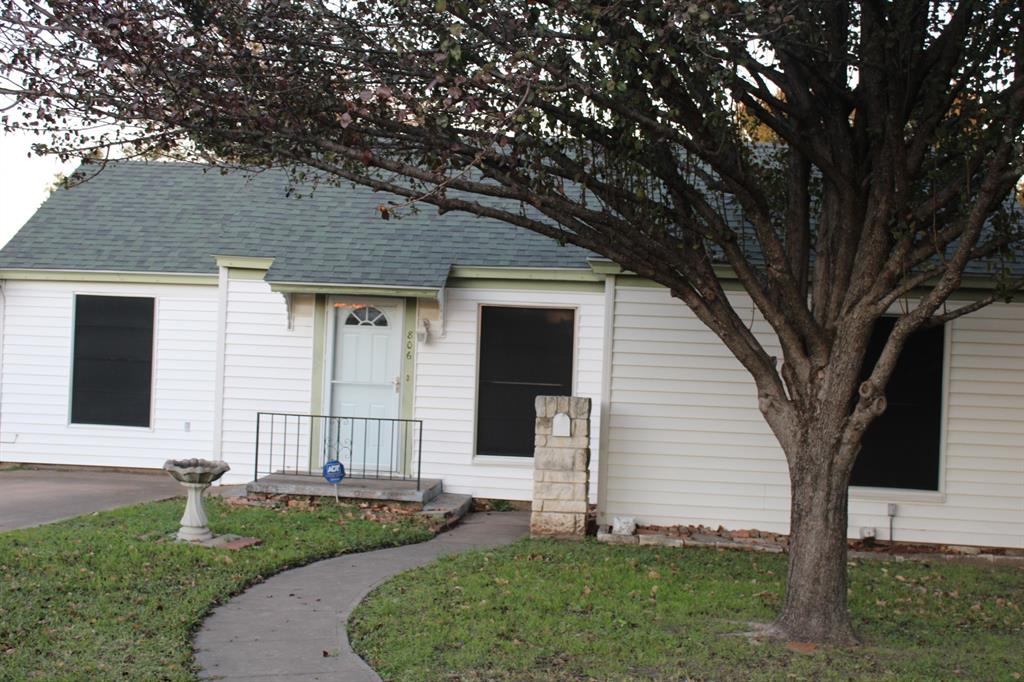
(772, 547)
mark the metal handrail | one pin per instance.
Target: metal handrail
(369, 447)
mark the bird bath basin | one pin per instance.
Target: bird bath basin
(196, 475)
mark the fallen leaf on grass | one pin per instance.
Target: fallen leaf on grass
(801, 647)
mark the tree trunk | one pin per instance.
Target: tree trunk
(815, 608)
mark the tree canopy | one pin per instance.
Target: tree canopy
(896, 132)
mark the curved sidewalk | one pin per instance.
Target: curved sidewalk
(292, 626)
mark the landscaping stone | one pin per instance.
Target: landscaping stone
(604, 535)
(660, 540)
(623, 525)
(752, 540)
(964, 549)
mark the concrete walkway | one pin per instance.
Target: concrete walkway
(292, 627)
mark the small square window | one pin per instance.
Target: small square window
(113, 360)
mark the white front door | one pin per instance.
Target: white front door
(366, 388)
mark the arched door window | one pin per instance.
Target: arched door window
(366, 316)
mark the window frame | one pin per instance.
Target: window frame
(71, 361)
(516, 460)
(877, 493)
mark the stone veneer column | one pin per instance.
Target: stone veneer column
(561, 467)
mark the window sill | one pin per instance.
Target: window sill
(75, 425)
(503, 460)
(898, 495)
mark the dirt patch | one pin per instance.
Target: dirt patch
(484, 504)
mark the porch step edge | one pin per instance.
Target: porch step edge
(358, 489)
(447, 509)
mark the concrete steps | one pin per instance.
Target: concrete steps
(447, 509)
(380, 490)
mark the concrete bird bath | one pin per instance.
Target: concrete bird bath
(196, 475)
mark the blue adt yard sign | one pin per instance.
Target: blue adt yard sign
(334, 471)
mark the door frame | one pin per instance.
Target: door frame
(330, 327)
(330, 344)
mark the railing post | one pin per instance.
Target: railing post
(256, 454)
(419, 453)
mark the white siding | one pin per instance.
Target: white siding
(36, 378)
(445, 395)
(267, 367)
(688, 445)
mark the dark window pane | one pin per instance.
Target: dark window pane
(524, 353)
(113, 360)
(901, 448)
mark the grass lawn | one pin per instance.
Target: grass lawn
(105, 596)
(543, 610)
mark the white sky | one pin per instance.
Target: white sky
(24, 181)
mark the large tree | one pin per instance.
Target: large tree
(896, 143)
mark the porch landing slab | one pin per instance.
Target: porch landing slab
(351, 488)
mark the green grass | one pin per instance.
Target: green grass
(106, 596)
(541, 610)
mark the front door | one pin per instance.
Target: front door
(365, 387)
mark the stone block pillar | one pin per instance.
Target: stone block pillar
(561, 467)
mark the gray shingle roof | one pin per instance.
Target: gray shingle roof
(171, 217)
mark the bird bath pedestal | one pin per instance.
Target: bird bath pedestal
(196, 475)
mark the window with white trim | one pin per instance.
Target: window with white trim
(524, 353)
(900, 449)
(112, 373)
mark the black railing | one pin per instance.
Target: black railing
(368, 447)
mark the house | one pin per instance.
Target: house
(235, 313)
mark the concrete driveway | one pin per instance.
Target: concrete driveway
(31, 497)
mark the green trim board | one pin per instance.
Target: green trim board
(244, 273)
(526, 279)
(316, 391)
(631, 280)
(316, 396)
(972, 288)
(105, 276)
(406, 406)
(527, 285)
(730, 281)
(409, 341)
(544, 274)
(352, 290)
(246, 262)
(603, 266)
